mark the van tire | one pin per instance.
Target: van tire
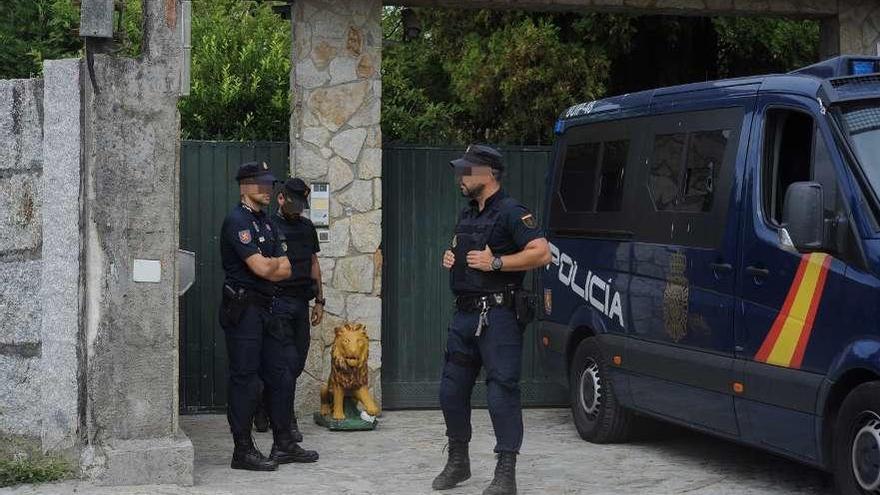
(858, 421)
(598, 416)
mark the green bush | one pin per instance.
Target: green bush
(32, 470)
(240, 73)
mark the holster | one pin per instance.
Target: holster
(524, 306)
(232, 306)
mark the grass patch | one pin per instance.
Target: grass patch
(32, 470)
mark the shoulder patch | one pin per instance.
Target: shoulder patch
(529, 220)
(245, 236)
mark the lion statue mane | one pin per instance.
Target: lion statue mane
(348, 372)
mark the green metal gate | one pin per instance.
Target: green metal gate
(207, 192)
(421, 203)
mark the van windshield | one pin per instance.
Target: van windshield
(862, 122)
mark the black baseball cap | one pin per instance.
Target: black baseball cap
(479, 155)
(297, 187)
(257, 172)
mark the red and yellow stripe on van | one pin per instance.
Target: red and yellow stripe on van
(790, 333)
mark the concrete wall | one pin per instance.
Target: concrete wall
(335, 137)
(131, 166)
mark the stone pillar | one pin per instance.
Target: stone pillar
(335, 137)
(131, 148)
(859, 26)
(61, 283)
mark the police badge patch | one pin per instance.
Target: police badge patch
(529, 221)
(244, 236)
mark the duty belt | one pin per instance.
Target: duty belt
(474, 304)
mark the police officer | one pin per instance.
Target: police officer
(496, 241)
(252, 260)
(299, 241)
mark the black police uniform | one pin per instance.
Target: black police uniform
(506, 226)
(299, 241)
(245, 315)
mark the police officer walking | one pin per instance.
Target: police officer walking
(299, 241)
(496, 241)
(252, 260)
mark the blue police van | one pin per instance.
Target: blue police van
(716, 263)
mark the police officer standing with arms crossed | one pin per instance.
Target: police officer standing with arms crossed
(299, 241)
(496, 241)
(253, 261)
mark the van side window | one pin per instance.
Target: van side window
(788, 151)
(592, 176)
(666, 170)
(684, 181)
(794, 151)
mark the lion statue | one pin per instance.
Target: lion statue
(348, 372)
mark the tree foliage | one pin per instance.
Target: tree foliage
(33, 31)
(240, 73)
(472, 75)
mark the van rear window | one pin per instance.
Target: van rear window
(593, 177)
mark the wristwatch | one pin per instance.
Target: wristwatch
(497, 263)
(322, 302)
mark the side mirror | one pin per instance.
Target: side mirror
(803, 215)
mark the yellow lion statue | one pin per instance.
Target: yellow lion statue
(348, 372)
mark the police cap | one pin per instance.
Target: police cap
(257, 172)
(296, 187)
(479, 155)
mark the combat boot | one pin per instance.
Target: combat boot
(458, 467)
(504, 482)
(285, 450)
(246, 456)
(294, 429)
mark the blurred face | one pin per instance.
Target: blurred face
(473, 180)
(290, 208)
(257, 193)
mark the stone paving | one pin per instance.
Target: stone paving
(404, 454)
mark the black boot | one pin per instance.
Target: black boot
(294, 429)
(246, 456)
(285, 450)
(458, 467)
(504, 482)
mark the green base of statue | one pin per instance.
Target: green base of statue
(354, 419)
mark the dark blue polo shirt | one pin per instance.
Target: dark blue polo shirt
(244, 234)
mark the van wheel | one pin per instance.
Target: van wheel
(598, 416)
(857, 442)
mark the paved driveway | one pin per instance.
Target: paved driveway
(404, 454)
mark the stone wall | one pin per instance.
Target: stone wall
(21, 239)
(335, 137)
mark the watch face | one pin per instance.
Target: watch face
(496, 263)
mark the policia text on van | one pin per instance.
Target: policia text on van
(716, 263)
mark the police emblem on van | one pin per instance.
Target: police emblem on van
(592, 289)
(675, 298)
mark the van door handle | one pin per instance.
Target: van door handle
(757, 271)
(722, 267)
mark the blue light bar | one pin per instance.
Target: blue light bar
(559, 128)
(862, 67)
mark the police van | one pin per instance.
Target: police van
(716, 263)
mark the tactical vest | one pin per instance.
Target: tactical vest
(472, 234)
(297, 245)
